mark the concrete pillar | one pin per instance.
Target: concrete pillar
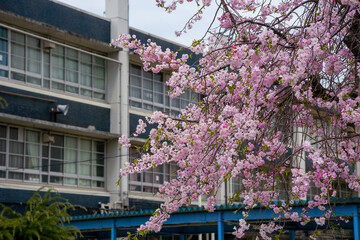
(118, 78)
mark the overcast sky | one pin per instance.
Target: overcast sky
(144, 15)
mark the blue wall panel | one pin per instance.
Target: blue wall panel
(60, 16)
(37, 106)
(17, 199)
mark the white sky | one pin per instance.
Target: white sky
(144, 15)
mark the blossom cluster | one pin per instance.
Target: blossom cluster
(280, 109)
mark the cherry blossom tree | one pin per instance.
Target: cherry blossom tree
(280, 108)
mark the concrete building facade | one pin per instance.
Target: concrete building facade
(66, 96)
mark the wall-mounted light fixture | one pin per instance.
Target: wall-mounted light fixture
(59, 109)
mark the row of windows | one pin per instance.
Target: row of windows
(28, 155)
(150, 180)
(148, 91)
(32, 61)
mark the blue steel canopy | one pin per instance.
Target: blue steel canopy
(195, 220)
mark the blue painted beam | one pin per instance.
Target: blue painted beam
(221, 234)
(291, 234)
(132, 221)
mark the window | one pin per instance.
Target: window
(69, 160)
(59, 68)
(148, 92)
(150, 180)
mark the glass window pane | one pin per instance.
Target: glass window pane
(33, 42)
(135, 92)
(158, 77)
(71, 64)
(33, 80)
(14, 133)
(57, 60)
(72, 89)
(3, 133)
(85, 57)
(85, 92)
(4, 60)
(148, 75)
(99, 95)
(99, 61)
(99, 71)
(3, 32)
(99, 83)
(18, 37)
(3, 45)
(32, 136)
(85, 169)
(148, 84)
(175, 102)
(32, 149)
(16, 147)
(18, 62)
(56, 166)
(70, 181)
(59, 50)
(58, 86)
(59, 140)
(98, 184)
(44, 164)
(158, 87)
(56, 153)
(98, 171)
(136, 70)
(33, 54)
(71, 76)
(18, 76)
(2, 145)
(2, 159)
(184, 104)
(56, 179)
(85, 68)
(135, 104)
(85, 144)
(85, 80)
(32, 163)
(71, 53)
(84, 182)
(135, 81)
(158, 98)
(99, 146)
(57, 73)
(15, 175)
(148, 95)
(98, 159)
(148, 107)
(44, 178)
(16, 161)
(71, 142)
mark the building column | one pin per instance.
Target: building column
(113, 233)
(220, 227)
(291, 234)
(118, 78)
(356, 223)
